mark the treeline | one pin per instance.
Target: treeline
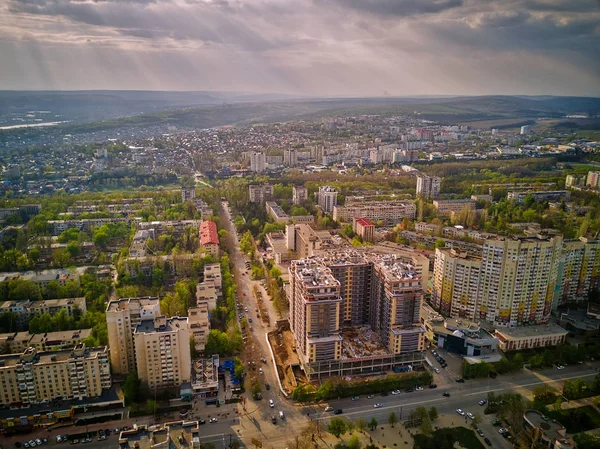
(330, 389)
(129, 179)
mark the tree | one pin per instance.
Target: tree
(440, 243)
(34, 254)
(392, 419)
(351, 426)
(361, 424)
(151, 406)
(131, 388)
(433, 414)
(426, 428)
(373, 424)
(61, 258)
(101, 237)
(353, 442)
(337, 427)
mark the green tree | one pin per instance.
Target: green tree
(337, 427)
(131, 388)
(433, 414)
(426, 428)
(361, 424)
(440, 243)
(151, 406)
(353, 442)
(392, 419)
(61, 258)
(373, 424)
(34, 254)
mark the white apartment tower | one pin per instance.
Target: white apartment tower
(299, 194)
(327, 198)
(428, 187)
(290, 157)
(258, 162)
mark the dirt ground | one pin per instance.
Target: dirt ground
(282, 341)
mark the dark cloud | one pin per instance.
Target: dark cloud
(563, 5)
(387, 8)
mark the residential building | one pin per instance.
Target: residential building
(276, 212)
(578, 271)
(387, 212)
(13, 172)
(260, 193)
(122, 317)
(290, 157)
(162, 352)
(212, 273)
(327, 198)
(448, 207)
(14, 342)
(525, 129)
(175, 228)
(299, 194)
(549, 195)
(593, 179)
(552, 434)
(575, 180)
(188, 194)
(353, 313)
(206, 293)
(428, 228)
(86, 224)
(33, 377)
(428, 186)
(209, 238)
(258, 162)
(52, 341)
(199, 325)
(26, 309)
(528, 337)
(364, 228)
(456, 283)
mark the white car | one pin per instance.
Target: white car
(371, 396)
(212, 420)
(396, 392)
(560, 367)
(260, 371)
(329, 408)
(271, 403)
(378, 405)
(437, 370)
(419, 389)
(470, 415)
(460, 412)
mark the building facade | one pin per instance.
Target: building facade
(327, 198)
(35, 377)
(258, 162)
(448, 207)
(364, 228)
(209, 238)
(260, 193)
(388, 212)
(299, 194)
(578, 271)
(428, 186)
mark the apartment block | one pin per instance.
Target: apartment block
(276, 212)
(162, 350)
(593, 179)
(86, 224)
(578, 271)
(290, 157)
(388, 212)
(199, 325)
(327, 198)
(33, 376)
(364, 228)
(188, 194)
(122, 317)
(24, 310)
(448, 207)
(260, 193)
(550, 195)
(258, 162)
(209, 238)
(428, 186)
(299, 194)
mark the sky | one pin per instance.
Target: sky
(304, 47)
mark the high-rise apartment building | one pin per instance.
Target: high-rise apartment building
(188, 194)
(290, 157)
(578, 271)
(258, 162)
(260, 193)
(428, 186)
(512, 284)
(593, 179)
(341, 292)
(299, 194)
(327, 198)
(162, 348)
(33, 377)
(122, 317)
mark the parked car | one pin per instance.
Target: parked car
(483, 402)
(460, 380)
(437, 370)
(432, 386)
(213, 420)
(378, 405)
(396, 392)
(371, 396)
(273, 419)
(355, 398)
(338, 411)
(470, 415)
(268, 386)
(488, 442)
(446, 394)
(480, 432)
(329, 408)
(281, 415)
(460, 412)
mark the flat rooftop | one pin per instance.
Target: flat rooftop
(176, 435)
(550, 427)
(531, 331)
(361, 342)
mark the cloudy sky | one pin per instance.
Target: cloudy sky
(310, 47)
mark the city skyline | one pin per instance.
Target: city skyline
(318, 48)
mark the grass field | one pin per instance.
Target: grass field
(465, 437)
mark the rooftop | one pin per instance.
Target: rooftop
(208, 233)
(551, 428)
(515, 333)
(361, 342)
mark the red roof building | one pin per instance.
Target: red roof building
(364, 228)
(209, 237)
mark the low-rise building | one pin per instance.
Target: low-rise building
(209, 238)
(299, 194)
(552, 434)
(387, 212)
(526, 337)
(34, 376)
(448, 207)
(59, 226)
(199, 325)
(364, 228)
(259, 193)
(24, 310)
(276, 212)
(549, 195)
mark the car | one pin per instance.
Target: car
(502, 431)
(460, 380)
(378, 405)
(496, 422)
(45, 440)
(59, 439)
(75, 441)
(329, 408)
(437, 370)
(245, 309)
(396, 392)
(444, 365)
(271, 403)
(371, 396)
(249, 319)
(213, 420)
(260, 371)
(273, 419)
(480, 432)
(32, 443)
(460, 412)
(487, 441)
(560, 367)
(418, 388)
(338, 411)
(446, 394)
(267, 386)
(88, 440)
(408, 390)
(355, 398)
(25, 444)
(483, 402)
(432, 386)
(384, 394)
(281, 415)
(101, 437)
(470, 415)
(201, 421)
